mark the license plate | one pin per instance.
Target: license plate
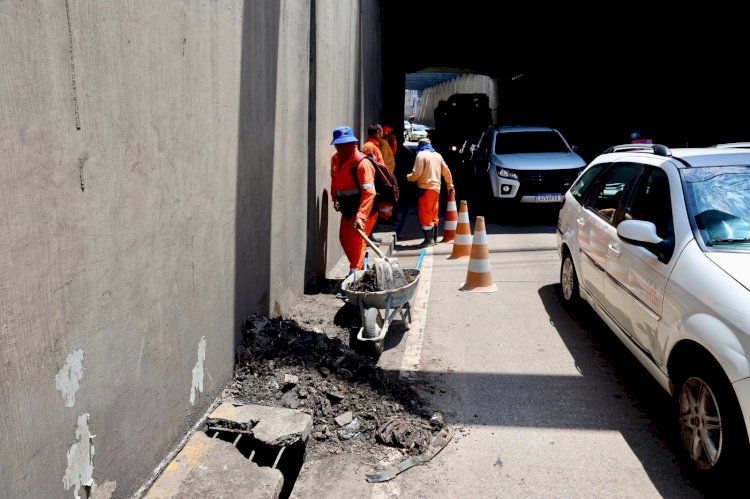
(548, 198)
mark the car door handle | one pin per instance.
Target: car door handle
(614, 249)
(580, 221)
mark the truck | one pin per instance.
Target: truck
(459, 121)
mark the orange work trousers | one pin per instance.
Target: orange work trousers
(427, 209)
(353, 244)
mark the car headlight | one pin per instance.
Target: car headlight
(505, 173)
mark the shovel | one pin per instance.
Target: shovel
(388, 271)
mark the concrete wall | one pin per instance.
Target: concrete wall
(158, 165)
(347, 38)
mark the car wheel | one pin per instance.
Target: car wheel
(569, 281)
(709, 420)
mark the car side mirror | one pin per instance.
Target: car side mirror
(643, 233)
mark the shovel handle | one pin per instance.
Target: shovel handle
(370, 243)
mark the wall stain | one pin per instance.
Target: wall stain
(80, 470)
(67, 379)
(197, 383)
(81, 162)
(72, 66)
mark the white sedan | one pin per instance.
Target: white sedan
(657, 242)
(416, 132)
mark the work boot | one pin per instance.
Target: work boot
(428, 239)
(376, 239)
(434, 234)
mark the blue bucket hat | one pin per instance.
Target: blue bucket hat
(343, 135)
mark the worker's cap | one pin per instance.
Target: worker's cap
(343, 135)
(387, 129)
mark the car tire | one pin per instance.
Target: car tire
(709, 422)
(571, 292)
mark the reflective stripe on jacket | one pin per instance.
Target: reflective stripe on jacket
(343, 183)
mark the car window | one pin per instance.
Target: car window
(583, 183)
(529, 142)
(651, 201)
(719, 204)
(606, 197)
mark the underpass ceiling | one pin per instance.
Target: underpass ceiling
(426, 79)
(599, 73)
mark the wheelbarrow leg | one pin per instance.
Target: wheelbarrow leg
(405, 313)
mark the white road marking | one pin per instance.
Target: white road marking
(414, 337)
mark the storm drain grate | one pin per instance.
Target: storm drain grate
(288, 459)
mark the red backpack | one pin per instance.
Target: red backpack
(386, 188)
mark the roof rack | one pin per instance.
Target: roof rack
(658, 149)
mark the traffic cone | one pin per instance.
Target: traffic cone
(462, 239)
(479, 275)
(451, 219)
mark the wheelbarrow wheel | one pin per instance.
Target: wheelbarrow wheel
(373, 326)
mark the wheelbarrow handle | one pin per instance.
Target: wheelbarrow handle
(370, 243)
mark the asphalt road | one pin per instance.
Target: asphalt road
(545, 403)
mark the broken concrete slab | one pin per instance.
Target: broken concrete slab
(210, 467)
(274, 426)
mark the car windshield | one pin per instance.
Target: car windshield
(529, 142)
(418, 128)
(718, 201)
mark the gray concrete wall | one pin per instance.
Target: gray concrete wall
(158, 162)
(348, 81)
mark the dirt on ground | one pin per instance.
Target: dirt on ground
(304, 361)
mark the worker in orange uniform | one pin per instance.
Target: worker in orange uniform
(372, 145)
(389, 158)
(429, 166)
(353, 194)
(372, 148)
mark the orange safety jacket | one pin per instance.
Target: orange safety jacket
(372, 147)
(344, 188)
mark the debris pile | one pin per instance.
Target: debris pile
(348, 397)
(368, 282)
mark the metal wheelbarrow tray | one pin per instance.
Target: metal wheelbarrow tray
(392, 301)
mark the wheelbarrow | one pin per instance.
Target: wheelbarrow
(378, 309)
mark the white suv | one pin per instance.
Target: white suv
(525, 164)
(657, 241)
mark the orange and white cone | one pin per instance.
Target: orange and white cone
(479, 276)
(451, 219)
(462, 239)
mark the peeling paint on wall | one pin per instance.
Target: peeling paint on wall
(103, 491)
(198, 370)
(80, 470)
(66, 380)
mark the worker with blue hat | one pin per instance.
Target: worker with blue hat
(353, 194)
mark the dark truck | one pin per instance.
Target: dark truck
(459, 121)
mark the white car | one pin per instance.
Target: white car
(416, 132)
(523, 164)
(657, 242)
(740, 145)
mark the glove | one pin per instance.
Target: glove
(359, 224)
